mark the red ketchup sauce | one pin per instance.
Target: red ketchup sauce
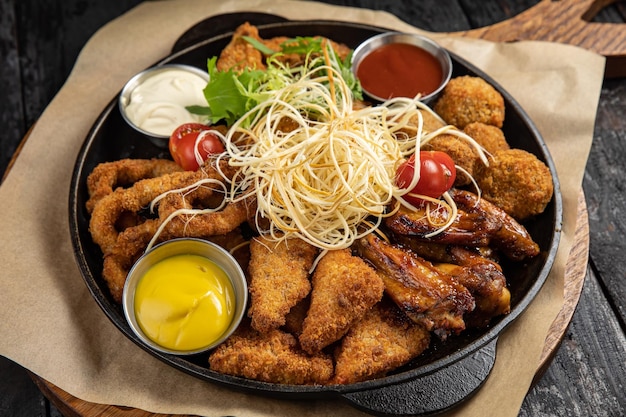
(399, 70)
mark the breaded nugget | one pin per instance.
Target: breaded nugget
(270, 357)
(461, 152)
(517, 182)
(344, 288)
(279, 279)
(239, 53)
(490, 137)
(379, 343)
(468, 99)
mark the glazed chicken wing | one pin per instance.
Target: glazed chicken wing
(428, 296)
(485, 281)
(478, 223)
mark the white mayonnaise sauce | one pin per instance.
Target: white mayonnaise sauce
(157, 105)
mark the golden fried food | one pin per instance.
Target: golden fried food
(430, 123)
(516, 181)
(379, 343)
(478, 223)
(374, 304)
(279, 279)
(128, 247)
(272, 356)
(103, 224)
(239, 54)
(199, 225)
(490, 137)
(426, 295)
(344, 288)
(104, 218)
(484, 279)
(295, 318)
(461, 152)
(108, 176)
(511, 238)
(468, 99)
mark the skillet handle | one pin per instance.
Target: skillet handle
(430, 393)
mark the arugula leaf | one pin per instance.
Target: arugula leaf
(231, 94)
(200, 110)
(227, 92)
(259, 45)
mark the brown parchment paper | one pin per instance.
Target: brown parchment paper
(52, 326)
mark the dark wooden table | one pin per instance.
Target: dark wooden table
(39, 42)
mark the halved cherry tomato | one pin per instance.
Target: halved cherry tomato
(437, 175)
(183, 141)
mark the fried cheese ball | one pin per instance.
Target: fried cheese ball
(461, 152)
(516, 181)
(491, 138)
(468, 99)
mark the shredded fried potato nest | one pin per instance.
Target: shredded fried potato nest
(333, 168)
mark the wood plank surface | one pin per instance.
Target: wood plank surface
(566, 21)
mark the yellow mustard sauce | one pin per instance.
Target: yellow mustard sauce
(184, 302)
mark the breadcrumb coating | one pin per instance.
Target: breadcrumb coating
(344, 288)
(279, 279)
(270, 357)
(490, 137)
(516, 181)
(468, 99)
(382, 341)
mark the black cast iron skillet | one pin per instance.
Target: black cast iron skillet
(443, 376)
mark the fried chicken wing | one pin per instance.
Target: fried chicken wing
(428, 296)
(511, 237)
(485, 281)
(273, 356)
(344, 288)
(379, 343)
(478, 223)
(239, 53)
(279, 279)
(473, 228)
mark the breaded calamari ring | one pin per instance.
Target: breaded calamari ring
(106, 213)
(129, 246)
(107, 176)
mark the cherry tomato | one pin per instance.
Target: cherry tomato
(437, 175)
(183, 141)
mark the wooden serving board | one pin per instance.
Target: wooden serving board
(564, 21)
